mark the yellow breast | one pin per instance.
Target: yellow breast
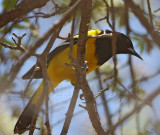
(59, 71)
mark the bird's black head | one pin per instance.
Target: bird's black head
(104, 46)
(124, 45)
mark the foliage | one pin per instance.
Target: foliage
(130, 89)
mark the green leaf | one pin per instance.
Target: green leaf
(140, 43)
(18, 26)
(8, 4)
(136, 38)
(141, 46)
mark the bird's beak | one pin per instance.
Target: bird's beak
(133, 52)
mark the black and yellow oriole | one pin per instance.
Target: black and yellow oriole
(98, 51)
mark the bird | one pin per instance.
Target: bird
(98, 51)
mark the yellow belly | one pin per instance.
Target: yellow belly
(59, 71)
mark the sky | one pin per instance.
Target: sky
(146, 67)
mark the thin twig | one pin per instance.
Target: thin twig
(42, 15)
(81, 111)
(71, 108)
(47, 123)
(44, 95)
(137, 108)
(54, 29)
(105, 101)
(144, 21)
(130, 93)
(18, 45)
(150, 13)
(101, 19)
(101, 91)
(107, 12)
(62, 21)
(120, 115)
(43, 62)
(70, 111)
(137, 121)
(21, 9)
(145, 78)
(47, 49)
(63, 38)
(72, 42)
(84, 107)
(114, 44)
(157, 10)
(30, 80)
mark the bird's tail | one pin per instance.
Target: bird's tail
(31, 111)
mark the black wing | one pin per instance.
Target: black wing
(38, 70)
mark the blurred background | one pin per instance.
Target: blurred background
(137, 79)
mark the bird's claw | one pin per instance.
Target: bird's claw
(85, 65)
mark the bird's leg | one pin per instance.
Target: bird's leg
(85, 65)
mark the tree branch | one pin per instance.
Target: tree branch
(18, 45)
(137, 108)
(81, 72)
(21, 9)
(71, 108)
(104, 101)
(54, 29)
(70, 111)
(144, 21)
